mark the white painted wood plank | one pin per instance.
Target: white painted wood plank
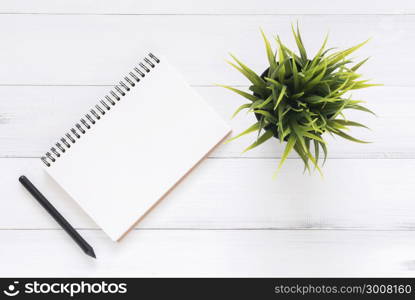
(207, 7)
(34, 117)
(240, 193)
(195, 253)
(76, 49)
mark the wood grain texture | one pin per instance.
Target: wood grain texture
(63, 50)
(241, 194)
(31, 121)
(255, 253)
(207, 7)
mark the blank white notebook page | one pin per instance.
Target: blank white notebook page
(138, 150)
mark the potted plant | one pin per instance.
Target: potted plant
(298, 99)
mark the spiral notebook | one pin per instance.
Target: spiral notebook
(127, 152)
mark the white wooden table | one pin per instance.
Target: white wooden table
(229, 217)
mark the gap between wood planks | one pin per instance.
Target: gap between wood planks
(380, 156)
(398, 13)
(351, 229)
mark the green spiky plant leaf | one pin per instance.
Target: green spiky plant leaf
(299, 99)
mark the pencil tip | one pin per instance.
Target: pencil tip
(91, 253)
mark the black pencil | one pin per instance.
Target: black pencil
(57, 216)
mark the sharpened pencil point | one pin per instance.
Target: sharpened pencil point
(90, 252)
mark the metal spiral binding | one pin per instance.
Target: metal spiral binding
(97, 112)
